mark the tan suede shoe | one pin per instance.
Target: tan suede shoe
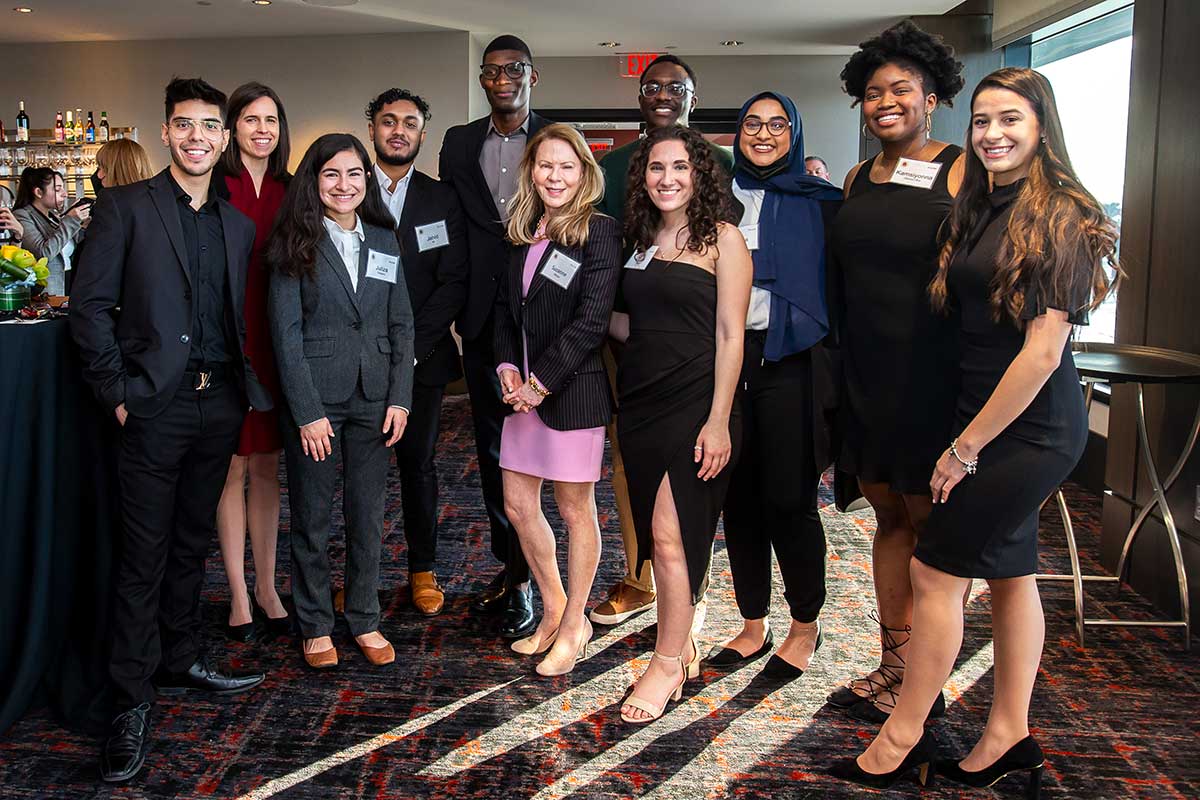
(427, 596)
(623, 602)
(339, 601)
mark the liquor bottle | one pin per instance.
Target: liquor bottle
(89, 134)
(3, 134)
(59, 133)
(22, 124)
(103, 132)
(79, 126)
(70, 130)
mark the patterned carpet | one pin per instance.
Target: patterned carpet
(461, 716)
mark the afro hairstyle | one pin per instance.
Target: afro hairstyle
(906, 45)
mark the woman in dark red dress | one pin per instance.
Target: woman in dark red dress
(253, 176)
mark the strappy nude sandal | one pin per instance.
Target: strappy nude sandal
(657, 711)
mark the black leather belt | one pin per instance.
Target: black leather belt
(199, 377)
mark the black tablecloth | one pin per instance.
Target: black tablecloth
(59, 520)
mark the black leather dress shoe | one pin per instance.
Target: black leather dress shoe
(125, 748)
(494, 598)
(203, 676)
(518, 621)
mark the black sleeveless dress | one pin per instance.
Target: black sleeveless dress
(898, 356)
(988, 527)
(665, 388)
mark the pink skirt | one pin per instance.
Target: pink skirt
(528, 446)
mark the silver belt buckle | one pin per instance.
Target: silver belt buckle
(204, 382)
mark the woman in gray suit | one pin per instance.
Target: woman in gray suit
(343, 334)
(49, 233)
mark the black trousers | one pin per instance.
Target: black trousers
(171, 470)
(772, 499)
(487, 412)
(418, 477)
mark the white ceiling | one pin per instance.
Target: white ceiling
(563, 28)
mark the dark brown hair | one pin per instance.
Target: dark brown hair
(231, 159)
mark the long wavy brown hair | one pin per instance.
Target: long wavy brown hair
(1056, 228)
(711, 203)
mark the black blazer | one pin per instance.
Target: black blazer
(437, 278)
(458, 165)
(136, 261)
(564, 328)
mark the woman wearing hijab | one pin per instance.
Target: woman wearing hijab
(784, 390)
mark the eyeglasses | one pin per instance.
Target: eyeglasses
(775, 125)
(513, 69)
(182, 126)
(675, 88)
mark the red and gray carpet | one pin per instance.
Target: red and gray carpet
(459, 715)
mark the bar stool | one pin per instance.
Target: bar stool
(1139, 365)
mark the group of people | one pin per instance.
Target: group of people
(731, 326)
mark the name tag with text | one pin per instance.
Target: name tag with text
(382, 267)
(641, 260)
(560, 268)
(919, 174)
(432, 236)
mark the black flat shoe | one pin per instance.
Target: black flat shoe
(203, 676)
(1024, 756)
(778, 672)
(518, 620)
(494, 598)
(867, 711)
(728, 658)
(921, 758)
(124, 751)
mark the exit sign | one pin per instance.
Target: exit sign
(634, 64)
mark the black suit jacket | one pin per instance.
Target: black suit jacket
(458, 165)
(564, 328)
(136, 262)
(437, 278)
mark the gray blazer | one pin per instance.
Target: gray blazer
(46, 238)
(329, 337)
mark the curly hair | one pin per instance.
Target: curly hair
(905, 45)
(711, 203)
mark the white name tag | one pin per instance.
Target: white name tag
(641, 260)
(432, 236)
(382, 267)
(921, 174)
(750, 234)
(560, 268)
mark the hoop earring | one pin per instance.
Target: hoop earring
(866, 133)
(929, 123)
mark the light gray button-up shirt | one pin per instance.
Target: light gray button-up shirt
(499, 160)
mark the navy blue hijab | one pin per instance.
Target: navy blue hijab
(790, 259)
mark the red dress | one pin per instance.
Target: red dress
(260, 431)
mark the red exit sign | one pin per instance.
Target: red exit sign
(634, 64)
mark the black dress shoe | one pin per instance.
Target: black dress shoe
(203, 676)
(125, 748)
(1024, 756)
(494, 598)
(518, 621)
(867, 711)
(922, 758)
(728, 658)
(777, 672)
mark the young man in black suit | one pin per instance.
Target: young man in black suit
(480, 161)
(429, 225)
(172, 257)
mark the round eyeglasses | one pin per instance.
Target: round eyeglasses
(513, 69)
(775, 125)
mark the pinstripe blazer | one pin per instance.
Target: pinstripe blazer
(564, 328)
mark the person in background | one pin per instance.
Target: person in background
(8, 222)
(666, 97)
(786, 390)
(48, 232)
(479, 161)
(898, 357)
(253, 176)
(816, 166)
(342, 328)
(120, 163)
(552, 317)
(1024, 261)
(172, 256)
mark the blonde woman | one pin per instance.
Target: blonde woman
(551, 318)
(120, 163)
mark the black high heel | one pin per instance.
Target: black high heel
(1024, 756)
(922, 758)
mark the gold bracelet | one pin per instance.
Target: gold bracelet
(537, 388)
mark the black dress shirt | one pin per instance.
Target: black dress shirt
(204, 238)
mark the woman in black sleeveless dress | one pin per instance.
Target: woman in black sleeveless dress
(898, 357)
(685, 290)
(1022, 264)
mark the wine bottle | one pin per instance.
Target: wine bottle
(59, 133)
(22, 123)
(90, 133)
(70, 129)
(79, 126)
(103, 126)
(3, 134)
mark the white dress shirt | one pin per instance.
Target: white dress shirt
(348, 244)
(758, 316)
(394, 198)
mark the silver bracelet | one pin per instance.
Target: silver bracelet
(970, 467)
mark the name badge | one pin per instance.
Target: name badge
(382, 267)
(641, 260)
(750, 234)
(560, 268)
(432, 236)
(921, 174)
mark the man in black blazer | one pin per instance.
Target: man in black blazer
(480, 161)
(429, 225)
(169, 364)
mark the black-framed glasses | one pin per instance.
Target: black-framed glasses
(674, 88)
(513, 69)
(775, 125)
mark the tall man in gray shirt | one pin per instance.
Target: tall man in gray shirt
(480, 160)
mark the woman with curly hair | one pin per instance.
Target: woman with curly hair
(1023, 263)
(686, 289)
(898, 356)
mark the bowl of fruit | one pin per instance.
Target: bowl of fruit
(22, 277)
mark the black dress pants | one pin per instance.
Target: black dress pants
(171, 470)
(418, 477)
(772, 499)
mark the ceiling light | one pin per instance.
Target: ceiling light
(609, 44)
(732, 43)
(261, 2)
(23, 10)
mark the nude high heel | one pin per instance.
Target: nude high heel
(656, 712)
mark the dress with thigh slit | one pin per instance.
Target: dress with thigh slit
(665, 389)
